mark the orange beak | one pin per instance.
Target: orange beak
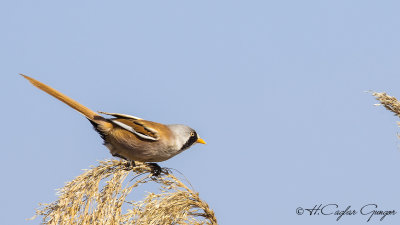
(201, 141)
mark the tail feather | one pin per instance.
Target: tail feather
(88, 113)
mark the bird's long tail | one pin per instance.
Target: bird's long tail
(88, 113)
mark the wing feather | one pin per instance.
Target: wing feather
(119, 115)
(139, 127)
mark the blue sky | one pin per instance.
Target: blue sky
(276, 88)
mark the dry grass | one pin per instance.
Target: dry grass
(100, 193)
(390, 103)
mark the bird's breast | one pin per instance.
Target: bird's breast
(132, 147)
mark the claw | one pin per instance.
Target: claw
(156, 169)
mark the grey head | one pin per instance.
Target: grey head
(184, 136)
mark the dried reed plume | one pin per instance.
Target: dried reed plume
(390, 103)
(99, 195)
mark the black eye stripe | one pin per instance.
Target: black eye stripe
(190, 142)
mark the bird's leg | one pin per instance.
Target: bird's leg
(129, 164)
(156, 169)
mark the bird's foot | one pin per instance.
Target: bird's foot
(130, 164)
(156, 169)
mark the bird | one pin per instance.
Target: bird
(130, 137)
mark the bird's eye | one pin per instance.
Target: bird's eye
(192, 134)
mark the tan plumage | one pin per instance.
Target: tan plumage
(67, 100)
(130, 137)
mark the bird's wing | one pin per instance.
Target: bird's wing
(119, 115)
(141, 128)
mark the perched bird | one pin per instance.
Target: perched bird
(130, 137)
